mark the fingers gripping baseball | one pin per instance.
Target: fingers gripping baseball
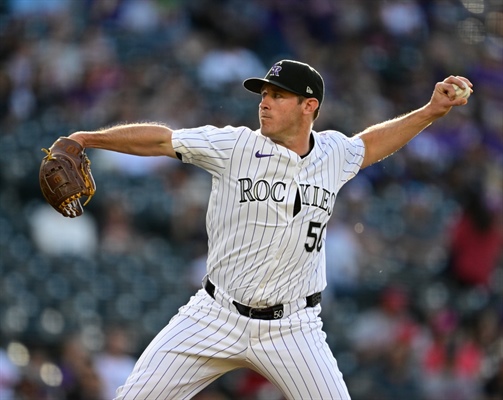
(65, 176)
(455, 88)
(451, 92)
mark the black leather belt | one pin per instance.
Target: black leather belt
(274, 312)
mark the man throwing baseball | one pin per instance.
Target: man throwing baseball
(274, 190)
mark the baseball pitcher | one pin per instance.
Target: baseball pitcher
(274, 190)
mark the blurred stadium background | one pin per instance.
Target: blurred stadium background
(414, 304)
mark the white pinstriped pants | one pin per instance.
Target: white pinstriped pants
(205, 340)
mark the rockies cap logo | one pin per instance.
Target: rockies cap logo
(275, 70)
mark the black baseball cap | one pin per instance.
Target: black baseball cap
(293, 76)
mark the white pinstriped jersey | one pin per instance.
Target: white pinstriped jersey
(262, 251)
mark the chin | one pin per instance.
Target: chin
(268, 131)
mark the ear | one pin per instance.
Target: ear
(310, 105)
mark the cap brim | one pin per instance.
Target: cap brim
(255, 85)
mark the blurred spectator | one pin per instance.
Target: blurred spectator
(32, 384)
(125, 164)
(9, 376)
(344, 255)
(403, 18)
(188, 205)
(396, 378)
(77, 236)
(493, 387)
(476, 241)
(114, 363)
(377, 328)
(80, 378)
(20, 70)
(118, 233)
(196, 271)
(140, 16)
(488, 330)
(452, 362)
(228, 64)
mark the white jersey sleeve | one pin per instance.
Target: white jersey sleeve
(268, 209)
(207, 147)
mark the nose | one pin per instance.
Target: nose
(263, 103)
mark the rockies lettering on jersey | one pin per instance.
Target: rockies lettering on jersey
(311, 197)
(263, 190)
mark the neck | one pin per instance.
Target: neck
(303, 142)
(300, 145)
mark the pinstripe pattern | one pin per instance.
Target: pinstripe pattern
(198, 345)
(256, 248)
(205, 340)
(261, 253)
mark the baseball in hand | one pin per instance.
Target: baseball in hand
(463, 92)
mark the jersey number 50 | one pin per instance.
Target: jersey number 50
(314, 236)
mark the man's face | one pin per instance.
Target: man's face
(279, 113)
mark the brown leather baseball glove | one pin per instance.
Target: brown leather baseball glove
(65, 176)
